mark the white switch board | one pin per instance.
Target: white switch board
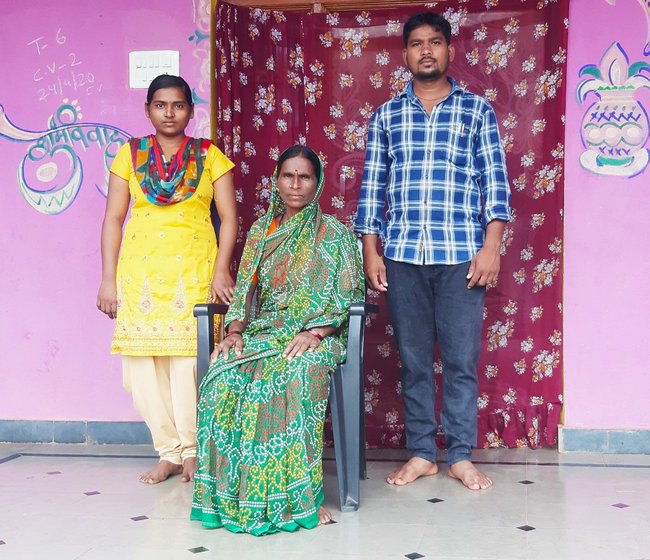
(144, 66)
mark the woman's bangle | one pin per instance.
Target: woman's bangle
(316, 334)
(230, 333)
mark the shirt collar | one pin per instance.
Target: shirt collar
(408, 93)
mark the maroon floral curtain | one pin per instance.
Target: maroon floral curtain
(286, 77)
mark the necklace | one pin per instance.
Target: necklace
(436, 98)
(166, 160)
(431, 98)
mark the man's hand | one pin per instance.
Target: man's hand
(484, 268)
(375, 271)
(373, 265)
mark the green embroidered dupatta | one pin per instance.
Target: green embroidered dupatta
(261, 417)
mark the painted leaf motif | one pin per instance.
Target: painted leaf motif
(638, 81)
(614, 65)
(591, 70)
(586, 86)
(637, 68)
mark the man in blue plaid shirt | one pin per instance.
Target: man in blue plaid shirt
(435, 189)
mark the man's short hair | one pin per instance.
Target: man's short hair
(432, 19)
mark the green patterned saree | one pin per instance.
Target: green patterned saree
(260, 417)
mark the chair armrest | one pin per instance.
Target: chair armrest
(361, 308)
(358, 312)
(204, 313)
(210, 309)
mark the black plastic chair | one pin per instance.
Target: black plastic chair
(346, 396)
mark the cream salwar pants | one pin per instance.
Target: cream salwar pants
(164, 393)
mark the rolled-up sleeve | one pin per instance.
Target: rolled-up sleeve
(372, 198)
(491, 165)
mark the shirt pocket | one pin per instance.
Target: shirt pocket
(457, 148)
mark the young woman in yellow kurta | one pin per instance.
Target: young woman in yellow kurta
(168, 262)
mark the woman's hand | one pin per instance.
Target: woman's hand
(225, 201)
(117, 206)
(305, 341)
(222, 287)
(234, 340)
(107, 298)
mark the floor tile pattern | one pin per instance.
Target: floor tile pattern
(84, 502)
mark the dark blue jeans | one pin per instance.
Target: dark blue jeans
(430, 303)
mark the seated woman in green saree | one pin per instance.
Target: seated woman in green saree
(263, 400)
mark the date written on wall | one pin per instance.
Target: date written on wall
(61, 71)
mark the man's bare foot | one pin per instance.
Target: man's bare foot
(469, 475)
(162, 471)
(413, 469)
(324, 515)
(189, 468)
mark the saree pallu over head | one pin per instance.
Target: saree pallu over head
(309, 269)
(165, 184)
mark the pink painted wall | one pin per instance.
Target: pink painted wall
(54, 344)
(607, 259)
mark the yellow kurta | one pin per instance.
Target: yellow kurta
(166, 264)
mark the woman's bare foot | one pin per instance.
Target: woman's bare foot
(413, 469)
(189, 468)
(469, 475)
(324, 515)
(162, 471)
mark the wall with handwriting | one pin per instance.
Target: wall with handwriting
(65, 109)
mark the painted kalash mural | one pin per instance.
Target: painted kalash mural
(615, 127)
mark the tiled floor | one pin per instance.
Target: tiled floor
(63, 502)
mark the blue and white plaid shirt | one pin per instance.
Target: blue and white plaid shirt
(443, 178)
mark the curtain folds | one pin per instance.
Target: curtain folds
(288, 77)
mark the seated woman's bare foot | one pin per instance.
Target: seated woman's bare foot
(162, 471)
(469, 475)
(413, 469)
(189, 468)
(324, 515)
